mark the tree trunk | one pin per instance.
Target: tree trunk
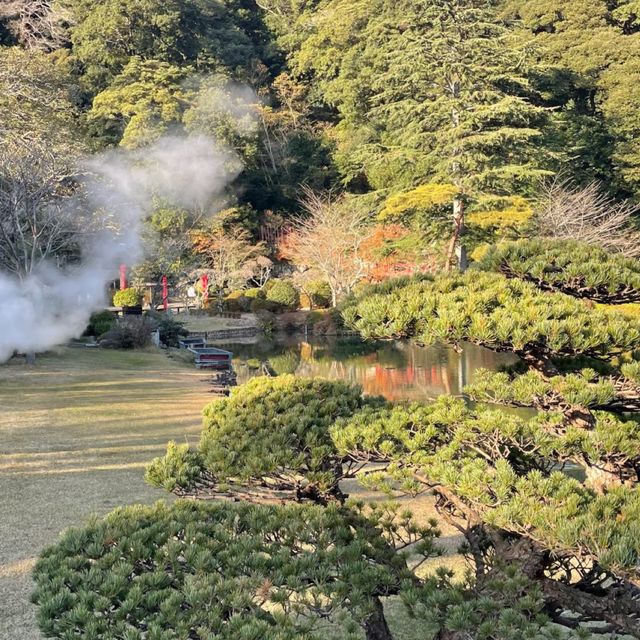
(621, 610)
(603, 477)
(334, 297)
(617, 605)
(458, 224)
(376, 627)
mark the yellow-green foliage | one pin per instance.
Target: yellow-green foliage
(270, 427)
(516, 211)
(480, 252)
(423, 198)
(631, 310)
(129, 297)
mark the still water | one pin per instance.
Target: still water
(396, 370)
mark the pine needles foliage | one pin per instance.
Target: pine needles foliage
(216, 570)
(574, 268)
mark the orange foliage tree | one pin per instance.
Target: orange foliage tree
(392, 250)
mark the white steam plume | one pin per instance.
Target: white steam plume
(53, 305)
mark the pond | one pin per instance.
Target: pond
(397, 370)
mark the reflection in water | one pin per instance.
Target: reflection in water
(396, 370)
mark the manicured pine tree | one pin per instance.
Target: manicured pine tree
(573, 533)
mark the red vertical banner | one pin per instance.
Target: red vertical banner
(205, 288)
(123, 276)
(165, 294)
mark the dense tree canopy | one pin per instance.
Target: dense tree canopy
(387, 100)
(587, 52)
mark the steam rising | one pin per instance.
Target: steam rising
(52, 305)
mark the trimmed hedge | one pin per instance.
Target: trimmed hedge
(283, 294)
(129, 297)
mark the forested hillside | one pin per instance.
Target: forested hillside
(408, 107)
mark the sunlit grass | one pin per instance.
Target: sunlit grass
(76, 430)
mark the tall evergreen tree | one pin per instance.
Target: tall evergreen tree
(444, 99)
(586, 67)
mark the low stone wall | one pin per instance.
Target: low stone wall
(221, 334)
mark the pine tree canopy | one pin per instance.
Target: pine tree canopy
(495, 312)
(269, 440)
(228, 571)
(579, 270)
(556, 492)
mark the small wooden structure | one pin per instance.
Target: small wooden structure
(193, 342)
(212, 358)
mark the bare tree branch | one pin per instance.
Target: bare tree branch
(329, 240)
(587, 214)
(36, 24)
(35, 223)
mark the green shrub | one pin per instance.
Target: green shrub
(130, 332)
(129, 297)
(170, 329)
(255, 293)
(180, 467)
(222, 569)
(237, 301)
(314, 317)
(275, 423)
(284, 294)
(267, 321)
(319, 293)
(100, 323)
(260, 304)
(269, 285)
(574, 268)
(492, 311)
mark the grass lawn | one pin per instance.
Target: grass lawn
(75, 432)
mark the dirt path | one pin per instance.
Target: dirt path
(75, 433)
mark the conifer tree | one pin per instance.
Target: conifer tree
(443, 96)
(498, 476)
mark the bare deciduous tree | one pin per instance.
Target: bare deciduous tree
(260, 270)
(35, 223)
(329, 241)
(37, 102)
(36, 24)
(568, 212)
